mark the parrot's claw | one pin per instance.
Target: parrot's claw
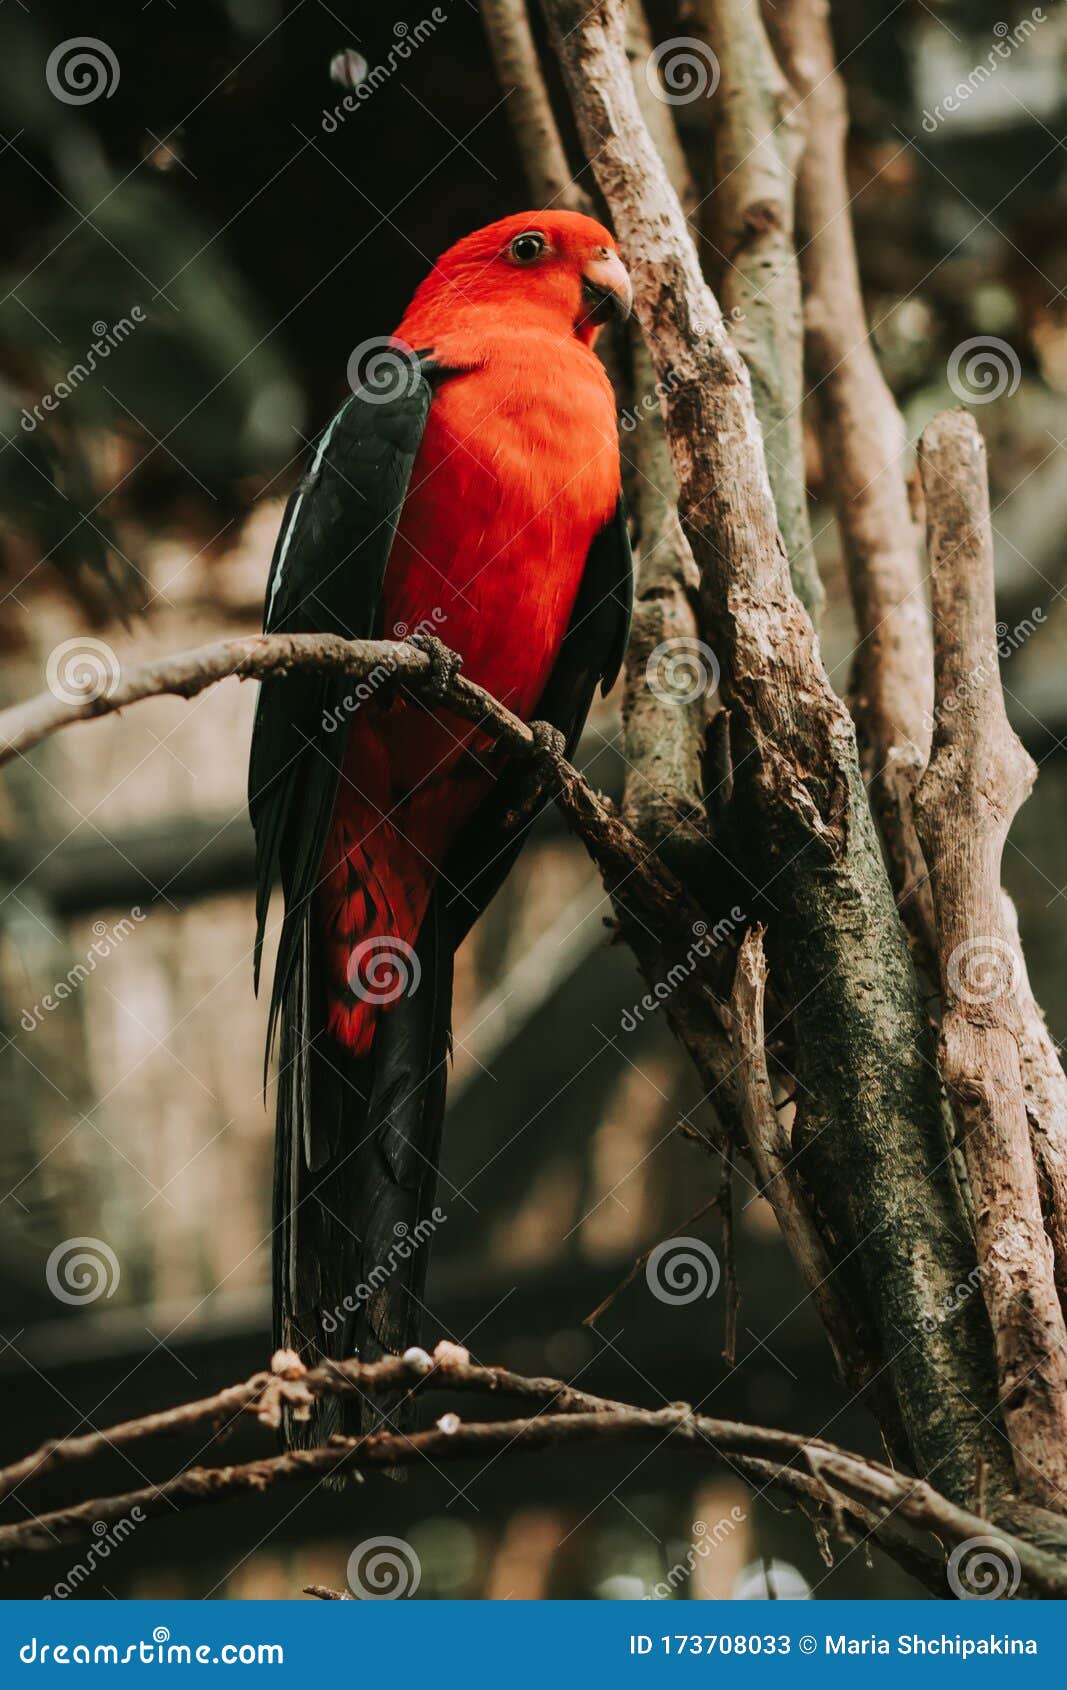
(445, 665)
(549, 744)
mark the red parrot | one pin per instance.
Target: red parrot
(470, 487)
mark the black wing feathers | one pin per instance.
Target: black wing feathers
(357, 1143)
(326, 578)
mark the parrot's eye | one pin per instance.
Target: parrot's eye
(527, 247)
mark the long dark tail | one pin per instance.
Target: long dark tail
(355, 1180)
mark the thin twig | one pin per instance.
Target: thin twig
(843, 1477)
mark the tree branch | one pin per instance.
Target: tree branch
(757, 145)
(864, 443)
(977, 777)
(865, 447)
(537, 136)
(772, 1158)
(809, 1470)
(377, 664)
(870, 1121)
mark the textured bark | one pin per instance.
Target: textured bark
(514, 55)
(1045, 1086)
(772, 1159)
(663, 735)
(978, 776)
(658, 115)
(869, 1095)
(758, 141)
(864, 447)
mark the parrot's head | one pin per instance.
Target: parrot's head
(556, 269)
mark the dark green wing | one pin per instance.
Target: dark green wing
(326, 577)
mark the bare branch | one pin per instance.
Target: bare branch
(378, 664)
(870, 1125)
(757, 144)
(290, 1385)
(1045, 1086)
(864, 447)
(811, 1471)
(978, 776)
(772, 1158)
(537, 136)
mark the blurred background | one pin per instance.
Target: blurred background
(205, 218)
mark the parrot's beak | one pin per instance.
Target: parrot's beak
(606, 288)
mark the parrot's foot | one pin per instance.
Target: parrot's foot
(550, 746)
(445, 665)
